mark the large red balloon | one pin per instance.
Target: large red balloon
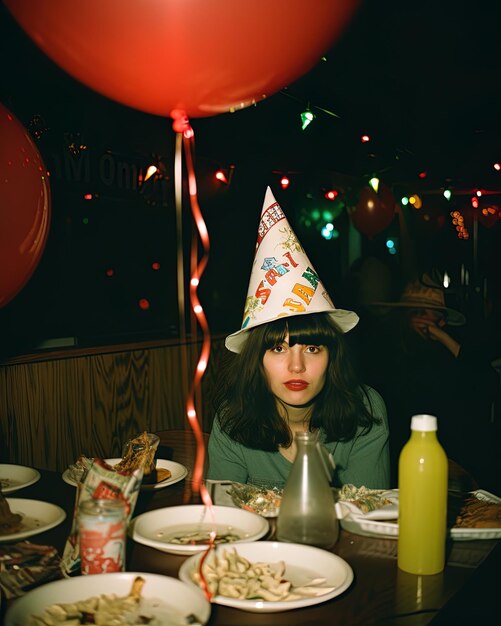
(24, 206)
(374, 211)
(203, 57)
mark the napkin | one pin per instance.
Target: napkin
(25, 565)
(386, 512)
(390, 511)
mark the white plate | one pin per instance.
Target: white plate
(176, 599)
(303, 564)
(178, 472)
(14, 477)
(361, 525)
(156, 528)
(38, 516)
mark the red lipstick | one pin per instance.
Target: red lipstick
(296, 385)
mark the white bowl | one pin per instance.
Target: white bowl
(172, 599)
(302, 565)
(157, 528)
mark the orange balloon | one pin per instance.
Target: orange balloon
(24, 206)
(374, 211)
(489, 215)
(203, 57)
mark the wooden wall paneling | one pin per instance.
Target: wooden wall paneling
(42, 414)
(118, 384)
(169, 382)
(53, 410)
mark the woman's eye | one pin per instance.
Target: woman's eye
(313, 349)
(278, 349)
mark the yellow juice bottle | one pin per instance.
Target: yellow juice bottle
(422, 499)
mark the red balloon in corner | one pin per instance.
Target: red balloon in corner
(24, 206)
(374, 210)
(199, 56)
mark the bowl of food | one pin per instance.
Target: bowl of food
(115, 598)
(268, 576)
(191, 528)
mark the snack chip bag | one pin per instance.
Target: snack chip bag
(141, 452)
(100, 481)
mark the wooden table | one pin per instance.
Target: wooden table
(380, 594)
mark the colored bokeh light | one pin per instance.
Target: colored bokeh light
(220, 175)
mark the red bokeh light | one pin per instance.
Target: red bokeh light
(220, 175)
(331, 194)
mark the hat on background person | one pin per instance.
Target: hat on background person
(425, 294)
(283, 281)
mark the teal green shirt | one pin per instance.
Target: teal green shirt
(364, 460)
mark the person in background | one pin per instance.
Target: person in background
(288, 370)
(369, 279)
(421, 364)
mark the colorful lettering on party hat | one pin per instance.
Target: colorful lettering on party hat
(283, 281)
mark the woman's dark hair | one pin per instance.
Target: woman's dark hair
(246, 407)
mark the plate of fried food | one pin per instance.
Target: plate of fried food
(268, 576)
(115, 598)
(475, 515)
(167, 473)
(14, 477)
(138, 452)
(21, 517)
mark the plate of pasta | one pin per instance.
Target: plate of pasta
(126, 598)
(268, 576)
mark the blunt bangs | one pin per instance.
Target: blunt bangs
(315, 329)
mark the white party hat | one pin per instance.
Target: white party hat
(283, 281)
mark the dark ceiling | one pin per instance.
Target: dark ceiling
(422, 79)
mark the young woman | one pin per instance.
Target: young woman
(294, 374)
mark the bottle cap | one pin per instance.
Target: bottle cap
(424, 423)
